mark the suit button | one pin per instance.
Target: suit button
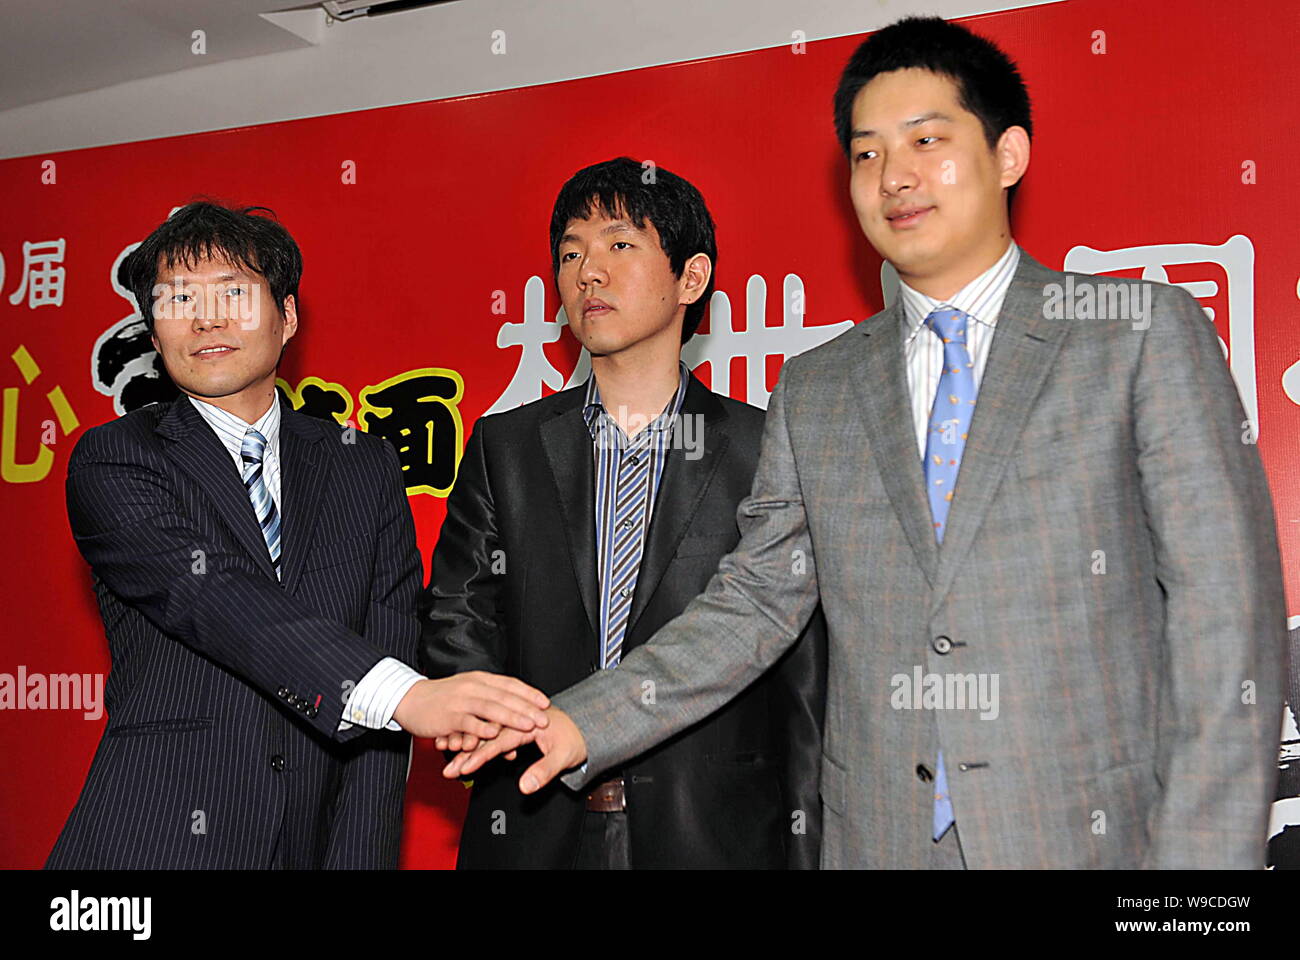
(283, 693)
(311, 712)
(277, 762)
(941, 644)
(923, 773)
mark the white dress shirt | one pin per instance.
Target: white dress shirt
(923, 348)
(375, 697)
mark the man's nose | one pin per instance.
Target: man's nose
(898, 174)
(208, 314)
(592, 271)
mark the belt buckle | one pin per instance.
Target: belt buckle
(608, 797)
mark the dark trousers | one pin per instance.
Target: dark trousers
(604, 843)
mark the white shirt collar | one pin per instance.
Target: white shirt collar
(981, 298)
(230, 429)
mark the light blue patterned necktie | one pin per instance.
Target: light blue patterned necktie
(950, 417)
(251, 452)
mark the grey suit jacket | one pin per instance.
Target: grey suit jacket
(1110, 562)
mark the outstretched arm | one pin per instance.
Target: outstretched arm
(752, 610)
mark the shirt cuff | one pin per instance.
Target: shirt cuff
(376, 697)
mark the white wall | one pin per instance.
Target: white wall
(439, 52)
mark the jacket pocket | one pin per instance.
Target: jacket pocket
(183, 725)
(340, 552)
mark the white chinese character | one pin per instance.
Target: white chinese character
(757, 341)
(534, 368)
(42, 281)
(1236, 256)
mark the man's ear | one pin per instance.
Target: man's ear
(153, 338)
(290, 312)
(1013, 155)
(695, 277)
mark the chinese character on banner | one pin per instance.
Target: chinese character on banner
(755, 342)
(417, 413)
(1236, 257)
(42, 281)
(534, 369)
(33, 470)
(319, 398)
(123, 363)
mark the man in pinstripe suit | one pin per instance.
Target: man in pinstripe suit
(991, 493)
(257, 574)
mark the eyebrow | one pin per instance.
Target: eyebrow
(221, 279)
(914, 122)
(616, 227)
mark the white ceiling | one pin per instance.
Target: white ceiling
(84, 73)
(50, 48)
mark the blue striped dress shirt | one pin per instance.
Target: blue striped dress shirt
(628, 471)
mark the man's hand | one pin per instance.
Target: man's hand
(476, 703)
(560, 741)
(456, 742)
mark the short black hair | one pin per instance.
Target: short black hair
(988, 82)
(249, 237)
(622, 187)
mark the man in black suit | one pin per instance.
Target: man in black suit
(581, 523)
(257, 574)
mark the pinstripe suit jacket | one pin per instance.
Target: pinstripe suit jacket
(227, 686)
(1110, 557)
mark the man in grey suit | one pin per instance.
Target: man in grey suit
(1040, 532)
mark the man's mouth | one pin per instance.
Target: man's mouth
(907, 216)
(593, 307)
(219, 350)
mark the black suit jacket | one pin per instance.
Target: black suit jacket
(227, 686)
(513, 589)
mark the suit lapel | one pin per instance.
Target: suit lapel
(195, 449)
(881, 383)
(304, 475)
(681, 490)
(1023, 351)
(566, 442)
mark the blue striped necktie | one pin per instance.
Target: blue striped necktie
(950, 417)
(268, 517)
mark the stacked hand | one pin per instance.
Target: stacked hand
(471, 706)
(559, 739)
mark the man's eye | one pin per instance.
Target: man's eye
(923, 139)
(864, 155)
(622, 243)
(180, 297)
(235, 291)
(564, 257)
